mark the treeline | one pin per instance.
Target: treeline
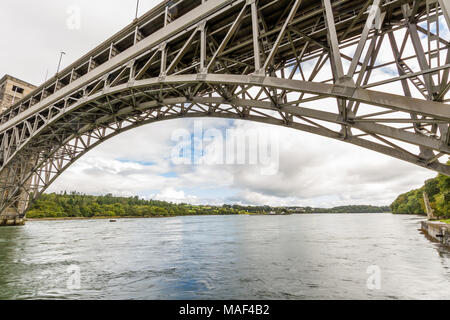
(69, 205)
(80, 205)
(350, 209)
(412, 202)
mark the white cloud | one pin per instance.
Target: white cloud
(172, 195)
(313, 171)
(36, 32)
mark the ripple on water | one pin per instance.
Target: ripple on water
(292, 257)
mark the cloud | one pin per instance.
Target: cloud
(172, 195)
(38, 31)
(313, 171)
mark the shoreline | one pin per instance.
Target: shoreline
(194, 215)
(112, 218)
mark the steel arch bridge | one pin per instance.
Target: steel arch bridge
(271, 61)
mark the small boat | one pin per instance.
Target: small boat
(112, 220)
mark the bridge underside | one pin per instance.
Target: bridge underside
(317, 67)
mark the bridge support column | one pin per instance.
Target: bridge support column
(14, 214)
(11, 220)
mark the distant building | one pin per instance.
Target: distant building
(12, 90)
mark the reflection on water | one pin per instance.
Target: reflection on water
(234, 257)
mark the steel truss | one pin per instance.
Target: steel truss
(254, 60)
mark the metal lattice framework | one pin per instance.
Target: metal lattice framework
(276, 62)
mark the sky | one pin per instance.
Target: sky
(309, 170)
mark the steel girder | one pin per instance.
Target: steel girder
(261, 61)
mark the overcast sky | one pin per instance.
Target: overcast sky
(313, 171)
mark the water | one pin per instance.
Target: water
(231, 257)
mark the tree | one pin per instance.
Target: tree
(438, 190)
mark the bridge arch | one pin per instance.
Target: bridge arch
(44, 173)
(97, 129)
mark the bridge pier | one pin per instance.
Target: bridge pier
(14, 213)
(11, 220)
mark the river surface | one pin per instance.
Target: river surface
(322, 256)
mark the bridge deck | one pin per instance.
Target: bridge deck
(350, 18)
